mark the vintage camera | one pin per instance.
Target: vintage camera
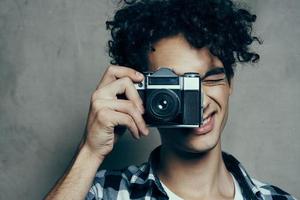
(171, 100)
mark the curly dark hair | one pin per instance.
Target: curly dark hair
(219, 25)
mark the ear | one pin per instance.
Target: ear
(231, 86)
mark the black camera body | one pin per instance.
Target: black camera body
(170, 100)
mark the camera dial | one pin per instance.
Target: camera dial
(191, 74)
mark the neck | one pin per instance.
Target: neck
(195, 175)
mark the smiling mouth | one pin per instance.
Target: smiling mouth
(207, 126)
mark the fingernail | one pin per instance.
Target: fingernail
(140, 75)
(146, 131)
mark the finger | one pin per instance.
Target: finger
(115, 72)
(109, 119)
(120, 86)
(127, 107)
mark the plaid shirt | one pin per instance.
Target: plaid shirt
(140, 182)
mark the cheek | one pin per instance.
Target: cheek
(219, 94)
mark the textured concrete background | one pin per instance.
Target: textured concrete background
(52, 55)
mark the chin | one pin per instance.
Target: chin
(200, 145)
(193, 148)
(190, 144)
(192, 151)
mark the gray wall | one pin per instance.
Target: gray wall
(52, 55)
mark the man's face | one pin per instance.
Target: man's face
(176, 53)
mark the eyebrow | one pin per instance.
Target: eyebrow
(214, 71)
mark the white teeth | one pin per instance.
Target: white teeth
(206, 120)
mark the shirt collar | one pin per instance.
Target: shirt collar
(146, 178)
(248, 188)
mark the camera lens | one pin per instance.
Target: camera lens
(163, 104)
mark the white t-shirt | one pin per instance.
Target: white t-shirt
(171, 195)
(237, 191)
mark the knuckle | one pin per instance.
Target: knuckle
(111, 68)
(130, 121)
(93, 97)
(95, 105)
(97, 95)
(102, 115)
(133, 108)
(136, 113)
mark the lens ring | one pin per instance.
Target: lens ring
(163, 105)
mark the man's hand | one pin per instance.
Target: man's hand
(107, 111)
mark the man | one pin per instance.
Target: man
(207, 37)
